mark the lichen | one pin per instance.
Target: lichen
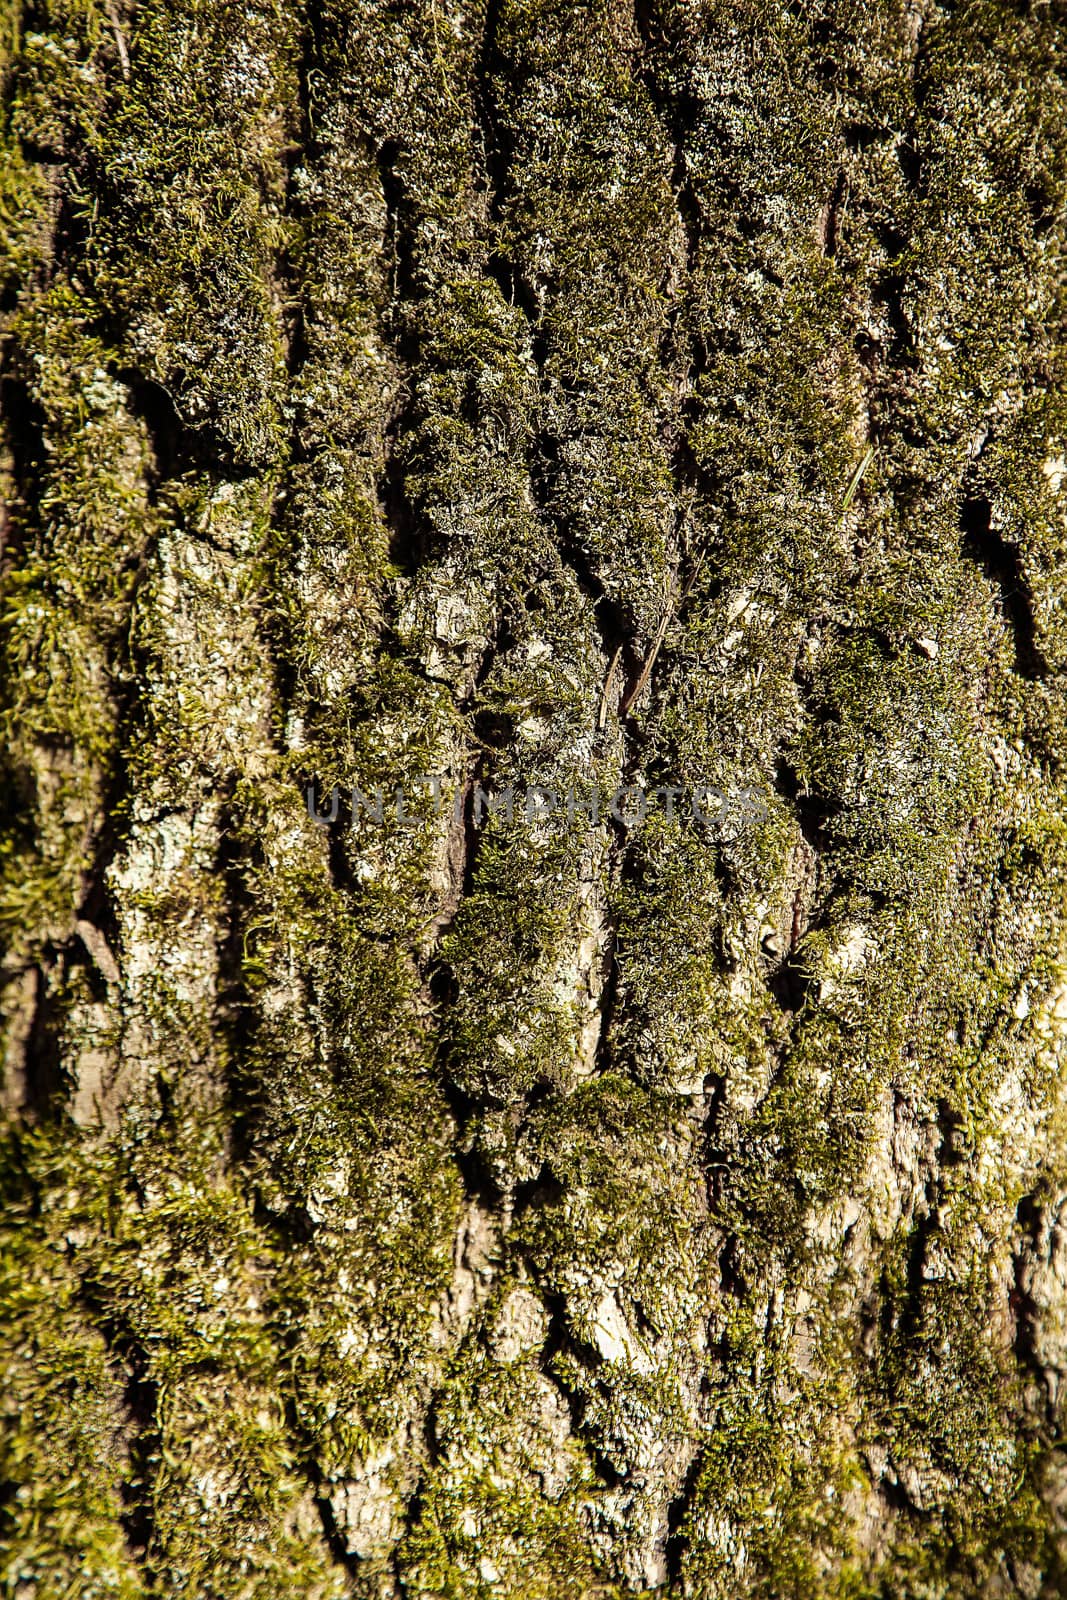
(509, 397)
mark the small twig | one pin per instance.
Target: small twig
(650, 662)
(605, 699)
(120, 41)
(670, 613)
(97, 946)
(854, 483)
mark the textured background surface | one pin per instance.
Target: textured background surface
(487, 1210)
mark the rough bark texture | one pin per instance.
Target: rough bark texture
(534, 392)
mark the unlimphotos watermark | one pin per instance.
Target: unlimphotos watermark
(415, 803)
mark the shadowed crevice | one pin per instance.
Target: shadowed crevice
(678, 1509)
(1003, 565)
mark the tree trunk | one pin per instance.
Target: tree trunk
(534, 863)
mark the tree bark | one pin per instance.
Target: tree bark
(514, 1186)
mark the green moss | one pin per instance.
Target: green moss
(64, 1453)
(501, 1513)
(81, 521)
(384, 383)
